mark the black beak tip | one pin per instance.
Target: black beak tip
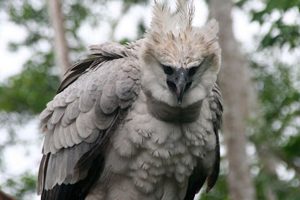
(180, 97)
(179, 101)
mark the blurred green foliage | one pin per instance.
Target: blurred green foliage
(21, 186)
(219, 192)
(278, 33)
(276, 129)
(29, 91)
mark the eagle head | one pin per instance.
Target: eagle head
(180, 61)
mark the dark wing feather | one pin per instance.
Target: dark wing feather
(99, 54)
(79, 190)
(200, 174)
(196, 181)
(77, 70)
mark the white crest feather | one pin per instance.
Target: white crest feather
(165, 20)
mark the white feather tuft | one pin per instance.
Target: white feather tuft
(165, 20)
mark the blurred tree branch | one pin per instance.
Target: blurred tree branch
(4, 196)
(61, 44)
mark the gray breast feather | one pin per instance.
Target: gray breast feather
(84, 109)
(210, 171)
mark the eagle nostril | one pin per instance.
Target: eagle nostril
(171, 85)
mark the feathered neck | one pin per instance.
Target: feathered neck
(173, 114)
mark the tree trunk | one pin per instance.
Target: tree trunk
(61, 45)
(4, 196)
(235, 83)
(269, 163)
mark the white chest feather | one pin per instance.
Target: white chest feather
(151, 151)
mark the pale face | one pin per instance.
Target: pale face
(180, 62)
(180, 72)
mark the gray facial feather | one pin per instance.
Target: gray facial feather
(167, 113)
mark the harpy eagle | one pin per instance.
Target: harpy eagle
(137, 121)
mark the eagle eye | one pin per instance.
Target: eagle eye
(192, 71)
(168, 70)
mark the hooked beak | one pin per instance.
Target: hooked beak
(180, 87)
(179, 83)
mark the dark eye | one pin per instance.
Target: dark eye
(193, 70)
(188, 85)
(168, 70)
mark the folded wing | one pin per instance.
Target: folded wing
(81, 118)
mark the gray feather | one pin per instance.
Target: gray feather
(123, 89)
(59, 101)
(101, 120)
(84, 110)
(47, 143)
(45, 115)
(74, 133)
(93, 137)
(72, 111)
(108, 100)
(72, 95)
(57, 137)
(61, 165)
(50, 105)
(68, 137)
(85, 125)
(87, 100)
(57, 115)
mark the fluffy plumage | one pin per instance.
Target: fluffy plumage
(138, 121)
